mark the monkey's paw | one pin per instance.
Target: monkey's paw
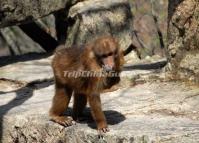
(65, 121)
(103, 130)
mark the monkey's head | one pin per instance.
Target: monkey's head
(107, 53)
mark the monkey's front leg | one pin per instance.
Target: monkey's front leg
(97, 113)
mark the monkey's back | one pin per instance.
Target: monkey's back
(66, 60)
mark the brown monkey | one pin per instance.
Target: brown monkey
(102, 54)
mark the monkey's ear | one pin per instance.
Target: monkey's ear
(88, 52)
(91, 55)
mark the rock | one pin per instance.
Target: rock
(183, 38)
(29, 71)
(165, 112)
(13, 41)
(146, 30)
(19, 11)
(149, 111)
(94, 18)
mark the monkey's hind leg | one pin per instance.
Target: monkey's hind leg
(80, 101)
(60, 104)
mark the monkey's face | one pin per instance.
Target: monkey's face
(106, 53)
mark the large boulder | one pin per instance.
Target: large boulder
(150, 26)
(14, 12)
(13, 41)
(94, 18)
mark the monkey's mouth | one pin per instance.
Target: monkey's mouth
(107, 68)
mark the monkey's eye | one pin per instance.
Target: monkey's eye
(110, 54)
(104, 56)
(107, 55)
(115, 52)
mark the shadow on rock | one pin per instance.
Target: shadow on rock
(112, 117)
(7, 60)
(22, 95)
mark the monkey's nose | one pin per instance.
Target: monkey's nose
(107, 68)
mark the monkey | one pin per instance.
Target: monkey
(102, 55)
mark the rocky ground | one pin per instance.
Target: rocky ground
(143, 108)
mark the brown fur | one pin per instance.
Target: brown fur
(91, 57)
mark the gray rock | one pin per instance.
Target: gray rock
(165, 112)
(29, 71)
(95, 18)
(13, 41)
(146, 29)
(19, 11)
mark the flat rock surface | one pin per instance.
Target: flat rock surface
(136, 110)
(153, 111)
(28, 71)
